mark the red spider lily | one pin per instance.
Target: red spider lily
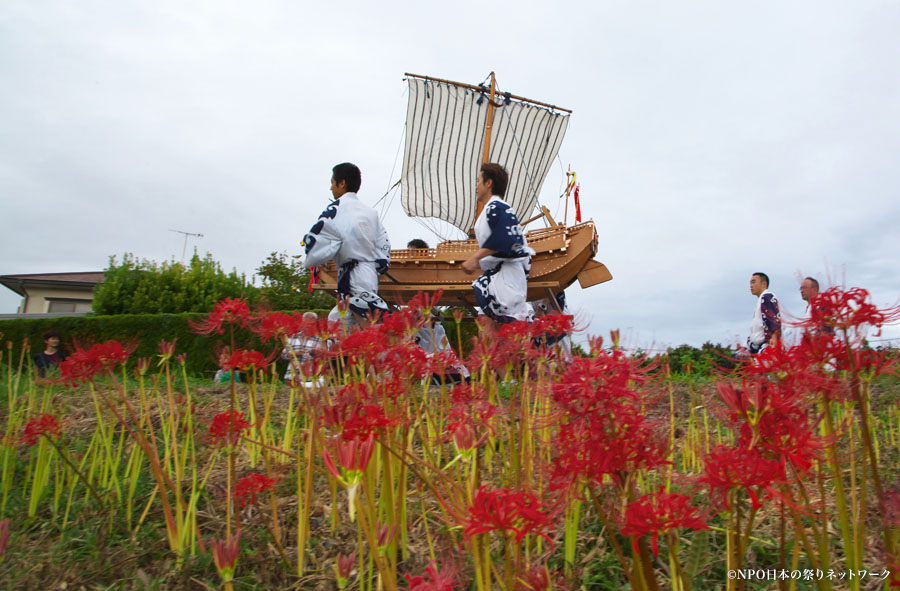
(869, 362)
(434, 580)
(608, 444)
(278, 324)
(803, 365)
(82, 365)
(405, 361)
(535, 578)
(658, 513)
(478, 412)
(111, 353)
(166, 350)
(760, 397)
(788, 437)
(225, 554)
(554, 324)
(850, 310)
(614, 336)
(252, 485)
(353, 458)
(462, 433)
(401, 324)
(356, 420)
(384, 534)
(422, 302)
(320, 327)
(143, 365)
(595, 383)
(343, 567)
(444, 363)
(514, 345)
(44, 424)
(467, 393)
(227, 427)
(247, 360)
(739, 467)
(233, 311)
(508, 510)
(362, 345)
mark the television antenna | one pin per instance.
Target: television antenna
(186, 234)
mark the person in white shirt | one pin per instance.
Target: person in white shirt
(350, 232)
(765, 329)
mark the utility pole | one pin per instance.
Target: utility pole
(186, 234)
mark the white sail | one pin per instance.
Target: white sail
(445, 129)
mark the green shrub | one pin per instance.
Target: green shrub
(146, 287)
(702, 361)
(284, 284)
(143, 330)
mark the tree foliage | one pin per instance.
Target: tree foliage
(284, 285)
(140, 286)
(701, 362)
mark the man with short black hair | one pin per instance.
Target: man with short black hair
(350, 232)
(51, 356)
(416, 243)
(504, 255)
(765, 329)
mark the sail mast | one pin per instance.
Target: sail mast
(486, 156)
(490, 124)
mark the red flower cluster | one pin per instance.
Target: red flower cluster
(227, 427)
(606, 430)
(775, 418)
(657, 513)
(434, 580)
(728, 468)
(228, 311)
(357, 420)
(848, 310)
(82, 365)
(252, 485)
(246, 360)
(508, 510)
(44, 424)
(278, 324)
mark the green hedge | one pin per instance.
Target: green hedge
(145, 330)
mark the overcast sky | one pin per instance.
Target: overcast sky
(711, 139)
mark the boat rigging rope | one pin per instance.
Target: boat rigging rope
(528, 176)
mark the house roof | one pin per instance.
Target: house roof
(18, 283)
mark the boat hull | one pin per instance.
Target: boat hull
(563, 254)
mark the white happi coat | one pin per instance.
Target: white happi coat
(502, 288)
(348, 230)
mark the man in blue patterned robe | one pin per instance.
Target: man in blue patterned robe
(504, 255)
